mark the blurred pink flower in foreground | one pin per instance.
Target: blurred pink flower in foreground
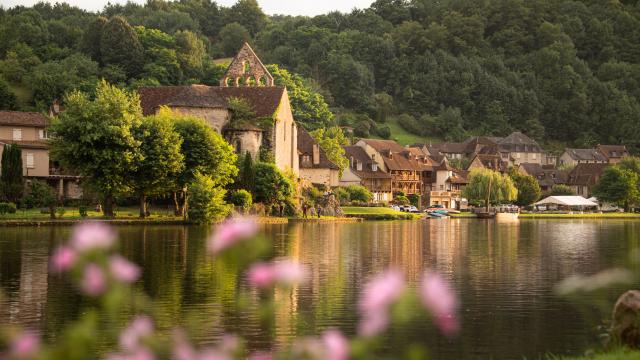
(378, 295)
(138, 354)
(63, 259)
(336, 345)
(25, 345)
(92, 235)
(230, 232)
(140, 327)
(93, 281)
(261, 355)
(123, 270)
(283, 272)
(441, 301)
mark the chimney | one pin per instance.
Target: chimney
(316, 154)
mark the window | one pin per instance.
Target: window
(374, 167)
(284, 131)
(534, 156)
(43, 134)
(17, 134)
(30, 161)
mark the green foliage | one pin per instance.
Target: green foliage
(619, 186)
(342, 195)
(191, 53)
(83, 211)
(272, 187)
(43, 196)
(414, 199)
(489, 187)
(241, 111)
(331, 141)
(241, 198)
(359, 193)
(7, 208)
(96, 139)
(8, 100)
(249, 14)
(11, 181)
(401, 200)
(247, 175)
(120, 46)
(561, 190)
(232, 36)
(206, 200)
(528, 187)
(460, 164)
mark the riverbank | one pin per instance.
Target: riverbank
(580, 216)
(620, 354)
(377, 213)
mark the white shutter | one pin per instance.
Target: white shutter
(30, 161)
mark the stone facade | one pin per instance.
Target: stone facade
(217, 118)
(246, 69)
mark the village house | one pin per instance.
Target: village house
(518, 148)
(364, 171)
(315, 167)
(488, 161)
(460, 150)
(246, 78)
(28, 130)
(546, 176)
(447, 186)
(613, 153)
(573, 157)
(397, 161)
(584, 177)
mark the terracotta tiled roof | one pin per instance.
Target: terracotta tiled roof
(585, 154)
(613, 151)
(38, 144)
(586, 174)
(402, 160)
(381, 145)
(19, 118)
(459, 177)
(358, 154)
(305, 147)
(263, 99)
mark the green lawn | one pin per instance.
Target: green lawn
(581, 216)
(620, 354)
(378, 213)
(72, 213)
(402, 136)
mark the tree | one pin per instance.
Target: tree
(359, 193)
(232, 36)
(489, 187)
(205, 152)
(11, 181)
(91, 38)
(206, 203)
(249, 14)
(43, 195)
(618, 186)
(528, 187)
(331, 141)
(247, 176)
(561, 190)
(95, 138)
(8, 99)
(161, 160)
(119, 45)
(242, 199)
(191, 53)
(272, 187)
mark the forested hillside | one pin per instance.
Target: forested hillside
(560, 71)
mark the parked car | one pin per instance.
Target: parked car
(412, 209)
(395, 207)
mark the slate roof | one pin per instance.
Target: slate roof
(263, 99)
(585, 154)
(519, 142)
(545, 176)
(305, 147)
(459, 177)
(358, 153)
(20, 118)
(491, 161)
(613, 151)
(586, 174)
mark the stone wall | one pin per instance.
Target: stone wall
(326, 177)
(215, 117)
(245, 142)
(246, 69)
(285, 138)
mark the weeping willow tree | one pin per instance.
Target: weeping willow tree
(489, 187)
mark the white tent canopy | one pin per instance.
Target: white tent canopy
(566, 201)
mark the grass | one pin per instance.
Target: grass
(619, 354)
(463, 215)
(403, 137)
(378, 213)
(72, 213)
(581, 216)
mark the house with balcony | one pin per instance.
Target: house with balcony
(28, 130)
(446, 187)
(366, 172)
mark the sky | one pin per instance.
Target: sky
(271, 7)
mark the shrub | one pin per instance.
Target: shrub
(60, 211)
(342, 195)
(384, 131)
(558, 190)
(272, 186)
(312, 194)
(241, 198)
(83, 211)
(359, 193)
(414, 199)
(206, 201)
(8, 208)
(402, 200)
(44, 196)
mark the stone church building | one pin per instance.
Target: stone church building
(246, 78)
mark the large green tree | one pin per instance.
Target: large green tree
(96, 139)
(272, 187)
(489, 187)
(120, 46)
(331, 140)
(11, 181)
(8, 100)
(618, 186)
(528, 188)
(161, 160)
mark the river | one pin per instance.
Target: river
(503, 273)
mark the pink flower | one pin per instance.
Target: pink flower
(261, 355)
(93, 281)
(140, 327)
(440, 300)
(379, 294)
(336, 345)
(92, 235)
(24, 345)
(138, 354)
(63, 259)
(123, 270)
(284, 272)
(182, 349)
(230, 233)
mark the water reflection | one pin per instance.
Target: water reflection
(503, 273)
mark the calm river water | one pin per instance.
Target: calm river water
(503, 273)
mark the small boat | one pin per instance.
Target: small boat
(485, 215)
(436, 215)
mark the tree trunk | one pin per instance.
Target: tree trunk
(143, 205)
(107, 210)
(185, 204)
(176, 205)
